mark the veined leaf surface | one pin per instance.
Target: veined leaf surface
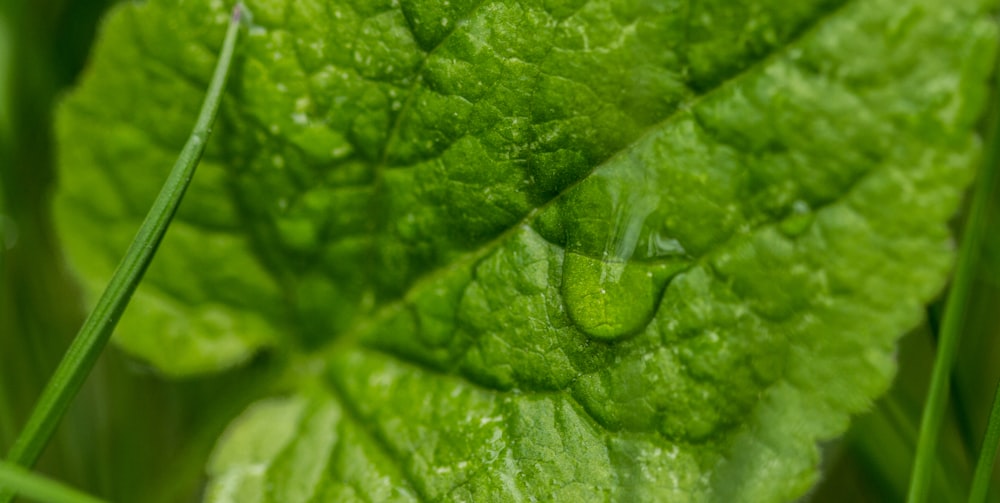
(514, 250)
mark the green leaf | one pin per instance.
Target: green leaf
(580, 250)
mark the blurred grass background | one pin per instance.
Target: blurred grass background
(132, 436)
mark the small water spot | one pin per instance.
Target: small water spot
(444, 21)
(798, 221)
(278, 161)
(300, 118)
(660, 245)
(341, 151)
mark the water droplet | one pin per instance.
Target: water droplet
(660, 245)
(612, 300)
(798, 221)
(617, 262)
(341, 151)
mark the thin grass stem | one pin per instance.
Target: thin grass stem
(953, 322)
(16, 479)
(987, 454)
(83, 352)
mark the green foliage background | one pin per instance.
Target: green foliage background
(132, 435)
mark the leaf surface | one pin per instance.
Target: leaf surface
(580, 250)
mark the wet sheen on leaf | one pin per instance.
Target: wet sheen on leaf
(568, 250)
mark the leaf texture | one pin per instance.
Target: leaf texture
(512, 251)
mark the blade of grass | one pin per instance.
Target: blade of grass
(36, 487)
(987, 454)
(953, 322)
(96, 330)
